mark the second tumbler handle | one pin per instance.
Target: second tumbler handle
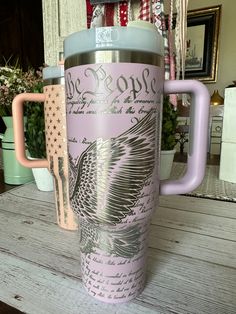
(18, 125)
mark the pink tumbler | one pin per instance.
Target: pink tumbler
(114, 79)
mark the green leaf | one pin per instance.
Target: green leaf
(169, 125)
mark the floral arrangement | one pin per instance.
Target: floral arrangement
(14, 81)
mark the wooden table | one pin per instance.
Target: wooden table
(191, 259)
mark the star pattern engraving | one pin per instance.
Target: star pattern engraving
(55, 109)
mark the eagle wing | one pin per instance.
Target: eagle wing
(112, 173)
(125, 243)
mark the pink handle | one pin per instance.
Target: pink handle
(198, 136)
(18, 125)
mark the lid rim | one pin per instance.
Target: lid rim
(52, 72)
(114, 38)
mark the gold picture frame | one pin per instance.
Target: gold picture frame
(203, 27)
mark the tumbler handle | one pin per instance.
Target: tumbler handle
(18, 126)
(198, 136)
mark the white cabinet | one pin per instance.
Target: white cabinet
(228, 147)
(216, 125)
(228, 162)
(229, 126)
(61, 18)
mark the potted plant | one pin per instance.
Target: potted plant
(35, 136)
(35, 127)
(168, 140)
(12, 82)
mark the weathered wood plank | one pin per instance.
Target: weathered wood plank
(214, 226)
(205, 248)
(31, 192)
(40, 242)
(60, 18)
(26, 207)
(199, 205)
(208, 281)
(188, 285)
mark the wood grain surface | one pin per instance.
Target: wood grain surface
(191, 258)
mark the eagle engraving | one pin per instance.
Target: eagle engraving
(106, 181)
(124, 242)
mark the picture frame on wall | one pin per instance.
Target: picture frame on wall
(202, 44)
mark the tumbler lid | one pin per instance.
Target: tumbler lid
(137, 36)
(52, 72)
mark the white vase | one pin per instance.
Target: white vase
(166, 162)
(43, 179)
